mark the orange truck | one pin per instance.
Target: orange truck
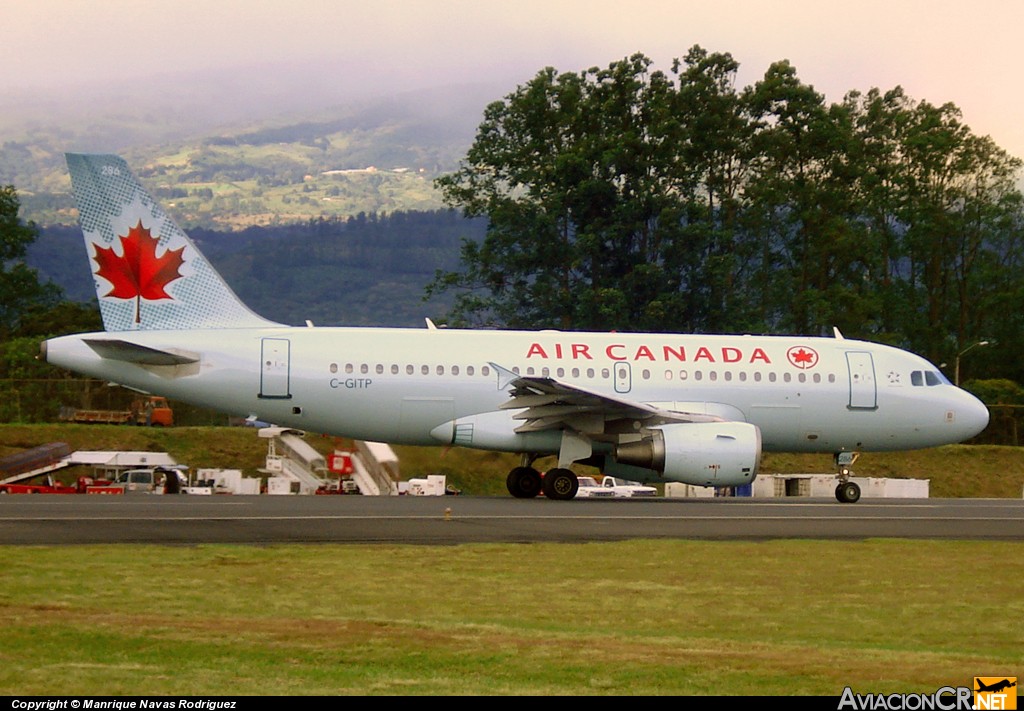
(149, 411)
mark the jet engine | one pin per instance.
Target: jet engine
(700, 453)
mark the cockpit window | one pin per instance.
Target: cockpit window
(927, 377)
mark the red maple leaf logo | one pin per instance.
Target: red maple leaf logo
(802, 358)
(138, 274)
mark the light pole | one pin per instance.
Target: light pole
(956, 367)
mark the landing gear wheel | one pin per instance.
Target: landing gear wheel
(523, 482)
(848, 492)
(561, 484)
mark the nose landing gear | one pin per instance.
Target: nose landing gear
(847, 492)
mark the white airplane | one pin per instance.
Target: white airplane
(647, 407)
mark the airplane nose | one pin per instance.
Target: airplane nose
(972, 415)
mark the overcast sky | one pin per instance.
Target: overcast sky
(968, 53)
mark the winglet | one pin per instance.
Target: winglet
(505, 376)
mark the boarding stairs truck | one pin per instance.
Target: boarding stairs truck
(292, 465)
(374, 468)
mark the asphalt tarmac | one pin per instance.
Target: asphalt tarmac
(184, 520)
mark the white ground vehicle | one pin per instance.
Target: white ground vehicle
(627, 489)
(148, 481)
(590, 488)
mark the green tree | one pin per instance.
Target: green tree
(594, 221)
(631, 199)
(20, 288)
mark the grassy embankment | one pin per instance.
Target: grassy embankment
(955, 471)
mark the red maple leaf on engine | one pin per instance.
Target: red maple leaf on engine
(138, 273)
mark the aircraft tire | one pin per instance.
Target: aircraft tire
(561, 484)
(523, 482)
(848, 492)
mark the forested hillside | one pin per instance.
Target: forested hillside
(367, 270)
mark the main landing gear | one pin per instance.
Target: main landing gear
(847, 492)
(525, 482)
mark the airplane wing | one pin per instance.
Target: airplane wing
(550, 404)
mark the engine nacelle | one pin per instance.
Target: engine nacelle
(496, 431)
(699, 453)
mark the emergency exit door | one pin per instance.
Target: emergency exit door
(863, 388)
(275, 368)
(623, 377)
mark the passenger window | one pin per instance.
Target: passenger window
(455, 370)
(380, 368)
(646, 374)
(334, 367)
(394, 370)
(485, 370)
(440, 370)
(682, 375)
(349, 368)
(697, 374)
(469, 370)
(364, 368)
(425, 369)
(668, 375)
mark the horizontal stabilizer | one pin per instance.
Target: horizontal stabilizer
(134, 353)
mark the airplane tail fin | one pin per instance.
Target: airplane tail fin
(148, 273)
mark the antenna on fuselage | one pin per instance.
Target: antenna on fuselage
(837, 334)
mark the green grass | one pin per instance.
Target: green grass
(642, 617)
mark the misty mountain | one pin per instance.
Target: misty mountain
(285, 160)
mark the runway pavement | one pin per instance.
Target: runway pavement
(71, 519)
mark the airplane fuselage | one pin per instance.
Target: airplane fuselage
(410, 386)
